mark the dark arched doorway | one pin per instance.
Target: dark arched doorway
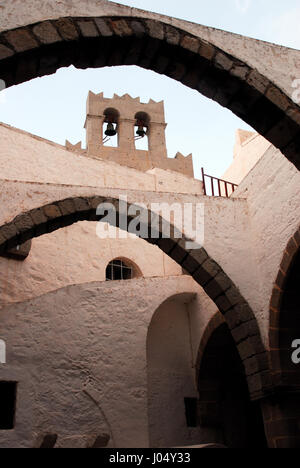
(283, 412)
(289, 327)
(225, 404)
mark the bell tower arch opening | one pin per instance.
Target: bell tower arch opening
(142, 131)
(110, 127)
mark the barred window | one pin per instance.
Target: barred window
(118, 270)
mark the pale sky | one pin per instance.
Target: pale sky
(53, 107)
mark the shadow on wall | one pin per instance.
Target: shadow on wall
(171, 375)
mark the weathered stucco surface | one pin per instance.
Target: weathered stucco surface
(76, 255)
(232, 227)
(170, 378)
(273, 199)
(249, 149)
(29, 158)
(79, 355)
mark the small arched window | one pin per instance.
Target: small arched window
(118, 270)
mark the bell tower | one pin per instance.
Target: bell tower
(125, 121)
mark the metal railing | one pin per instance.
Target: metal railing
(219, 187)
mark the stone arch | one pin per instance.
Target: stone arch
(111, 115)
(205, 271)
(279, 362)
(225, 410)
(144, 117)
(155, 43)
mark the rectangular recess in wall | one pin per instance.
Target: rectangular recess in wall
(8, 397)
(191, 412)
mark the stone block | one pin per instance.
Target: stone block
(67, 29)
(51, 211)
(103, 27)
(240, 71)
(121, 28)
(238, 314)
(19, 253)
(7, 232)
(5, 52)
(223, 62)
(259, 82)
(138, 28)
(201, 276)
(213, 289)
(278, 98)
(172, 35)
(256, 364)
(38, 216)
(156, 29)
(46, 33)
(190, 43)
(250, 347)
(88, 28)
(67, 207)
(245, 330)
(283, 132)
(223, 303)
(207, 50)
(24, 223)
(21, 39)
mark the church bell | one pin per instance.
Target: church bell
(110, 130)
(141, 132)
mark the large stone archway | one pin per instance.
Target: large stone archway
(197, 262)
(234, 71)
